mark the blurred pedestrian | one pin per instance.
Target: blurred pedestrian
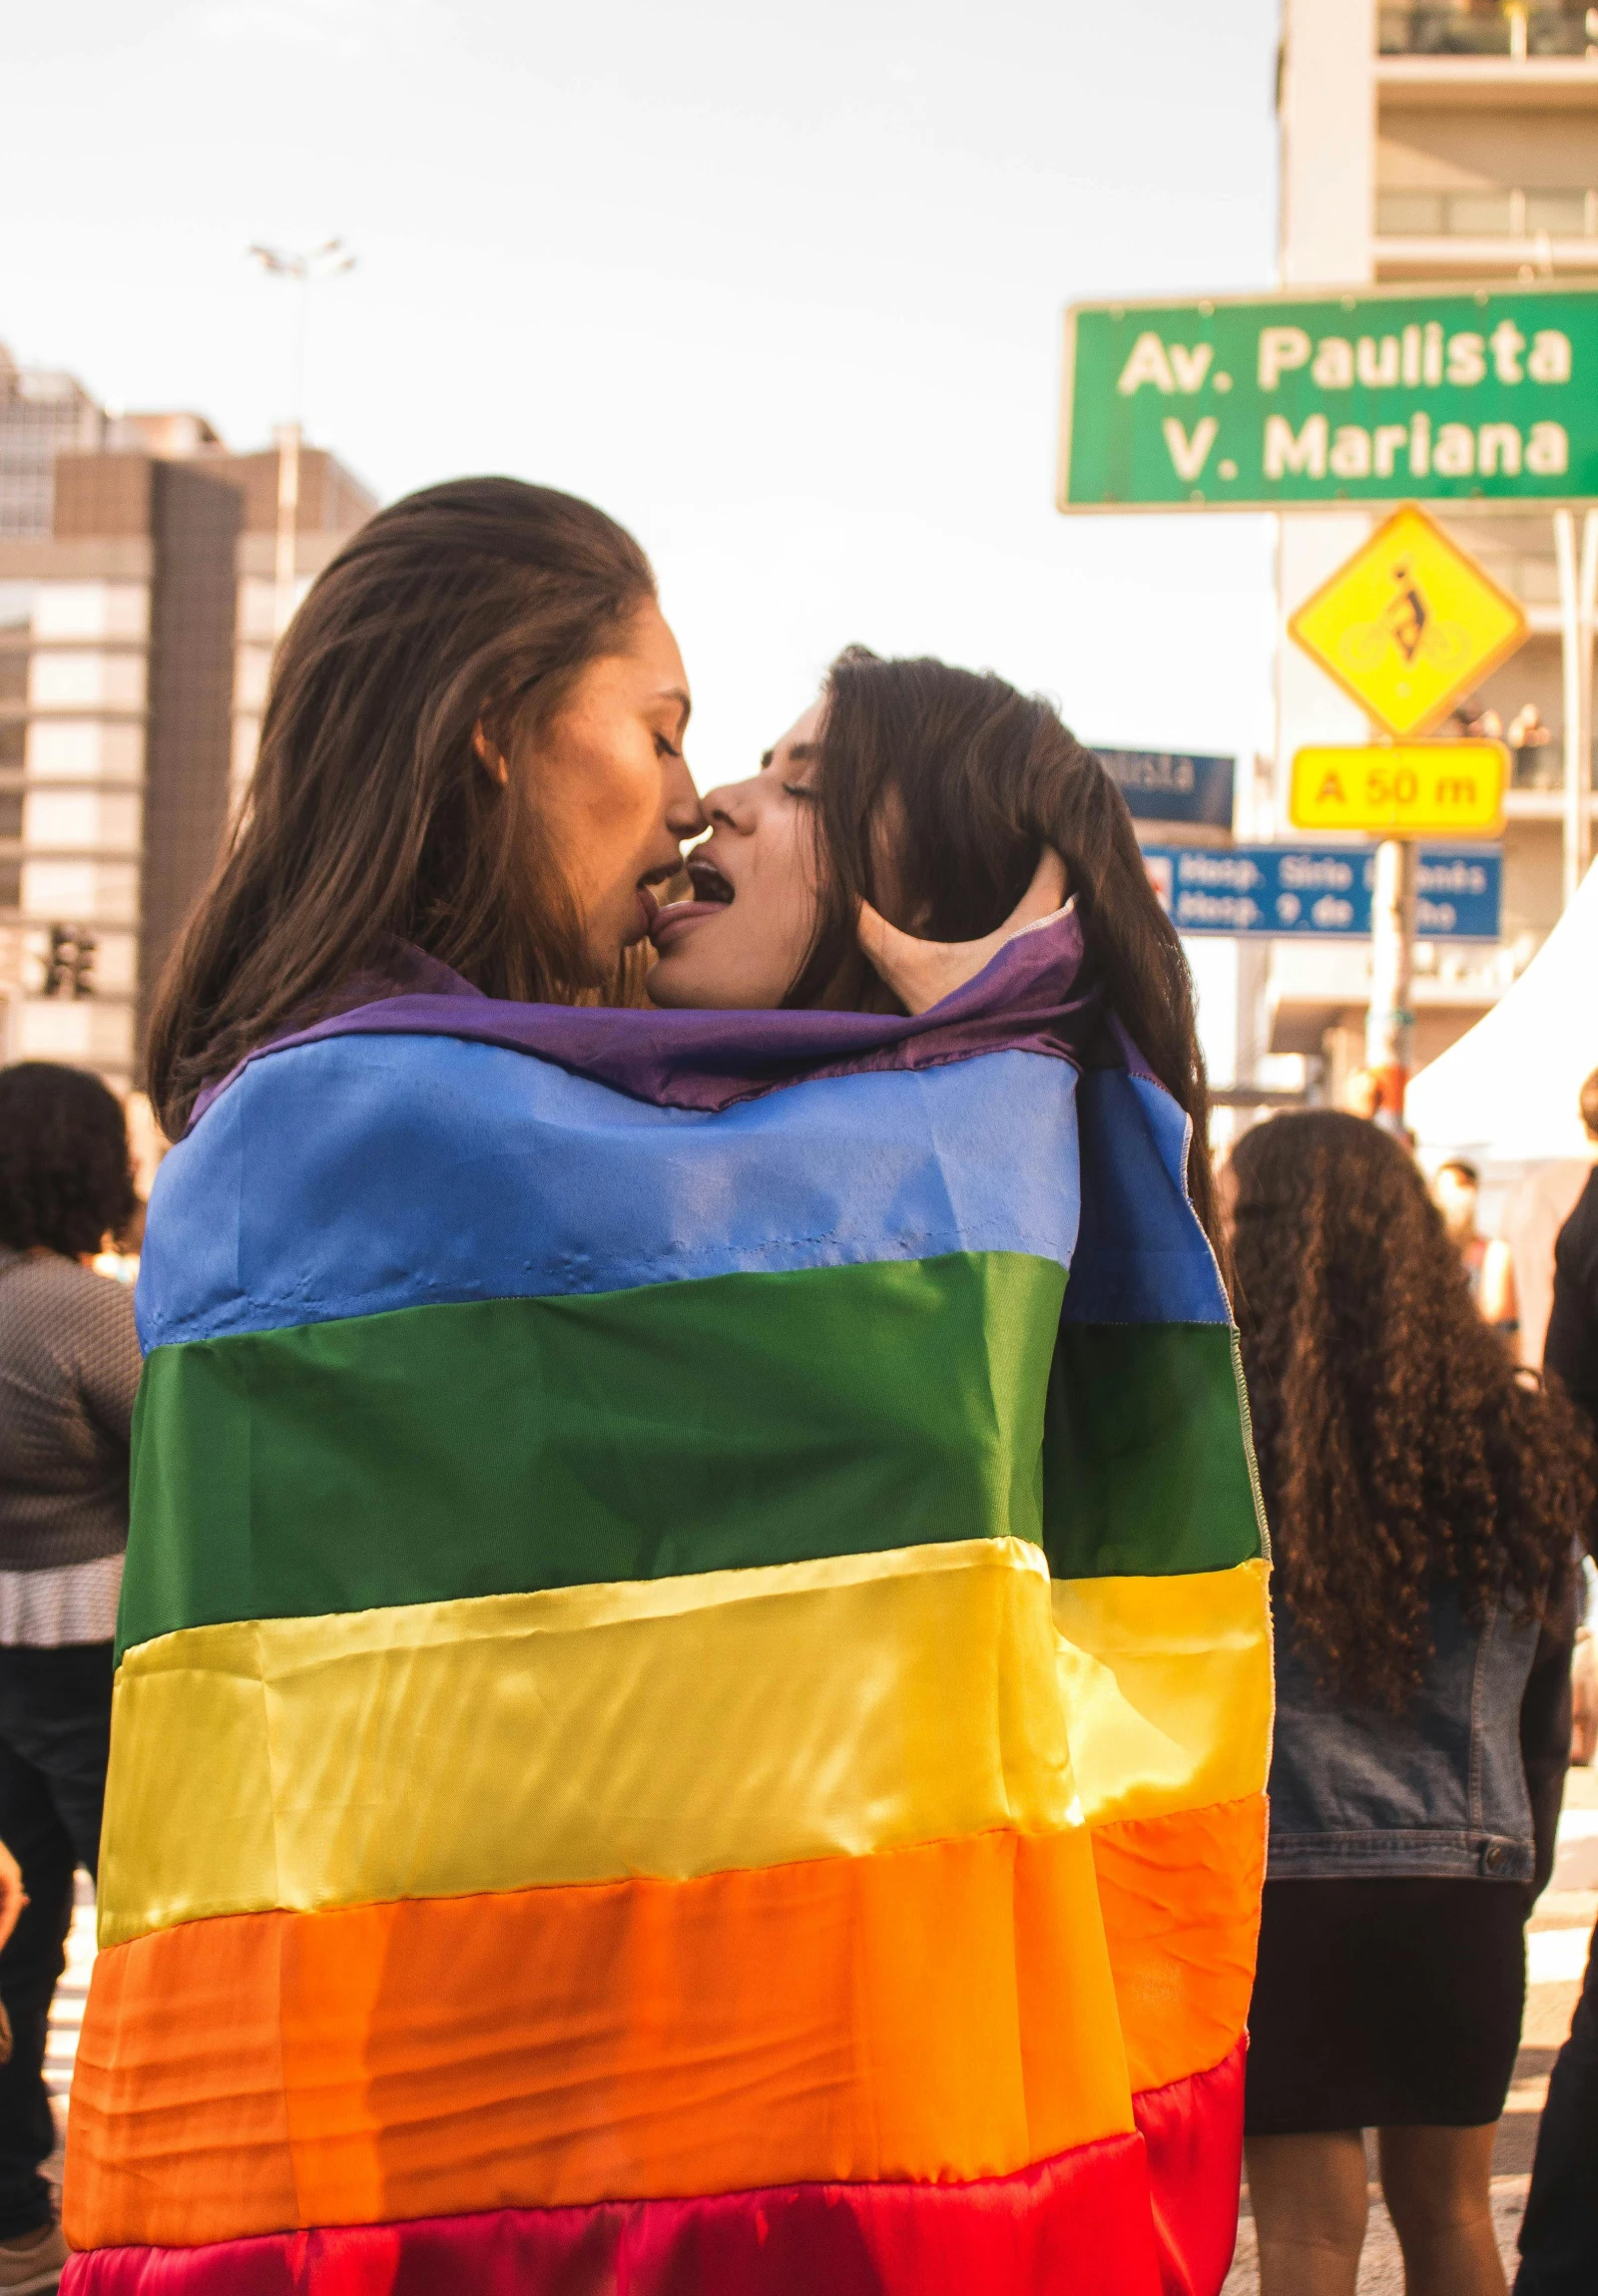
(1457, 1188)
(1559, 2237)
(1361, 1094)
(1534, 1213)
(69, 1369)
(1423, 1503)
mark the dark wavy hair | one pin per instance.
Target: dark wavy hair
(936, 789)
(65, 1177)
(1398, 1446)
(371, 819)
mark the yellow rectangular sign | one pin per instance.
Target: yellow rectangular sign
(1402, 788)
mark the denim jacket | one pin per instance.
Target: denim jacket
(1442, 1790)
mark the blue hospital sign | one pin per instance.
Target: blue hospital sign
(1284, 891)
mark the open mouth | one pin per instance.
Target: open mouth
(710, 888)
(712, 892)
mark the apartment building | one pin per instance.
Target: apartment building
(1438, 141)
(141, 592)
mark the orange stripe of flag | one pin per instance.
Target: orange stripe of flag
(941, 2012)
(1180, 1902)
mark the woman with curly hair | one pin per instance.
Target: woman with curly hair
(1424, 1499)
(69, 1370)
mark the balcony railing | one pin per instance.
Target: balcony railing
(1487, 214)
(1487, 28)
(1543, 770)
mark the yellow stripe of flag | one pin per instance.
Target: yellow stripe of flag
(673, 1727)
(1167, 1687)
(669, 1727)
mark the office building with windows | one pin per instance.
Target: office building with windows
(1446, 142)
(139, 602)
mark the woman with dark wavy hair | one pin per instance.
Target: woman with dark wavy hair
(961, 809)
(1423, 1497)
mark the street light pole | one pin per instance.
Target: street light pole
(300, 265)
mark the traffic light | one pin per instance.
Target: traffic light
(69, 968)
(56, 964)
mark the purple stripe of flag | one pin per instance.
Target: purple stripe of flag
(1036, 995)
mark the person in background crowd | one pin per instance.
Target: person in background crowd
(1422, 1501)
(1559, 2235)
(1362, 1094)
(1536, 1209)
(1457, 1188)
(1526, 731)
(69, 1370)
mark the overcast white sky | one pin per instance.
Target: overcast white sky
(780, 287)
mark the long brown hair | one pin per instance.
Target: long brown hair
(370, 818)
(1397, 1445)
(936, 789)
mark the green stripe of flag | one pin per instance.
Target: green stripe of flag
(502, 1445)
(1146, 1467)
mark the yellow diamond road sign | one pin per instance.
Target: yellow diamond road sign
(1408, 624)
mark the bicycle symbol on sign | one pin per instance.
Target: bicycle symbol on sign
(1407, 623)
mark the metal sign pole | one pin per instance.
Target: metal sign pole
(1586, 614)
(1578, 760)
(1391, 1022)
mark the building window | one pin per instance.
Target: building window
(1487, 214)
(1487, 28)
(41, 416)
(1562, 215)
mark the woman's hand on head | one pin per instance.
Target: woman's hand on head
(922, 972)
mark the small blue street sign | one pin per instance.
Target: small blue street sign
(1284, 891)
(1165, 786)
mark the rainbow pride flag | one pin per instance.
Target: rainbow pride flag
(693, 1684)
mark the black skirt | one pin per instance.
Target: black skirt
(1385, 2005)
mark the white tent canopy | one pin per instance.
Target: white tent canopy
(1505, 1094)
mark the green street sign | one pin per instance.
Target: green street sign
(1485, 395)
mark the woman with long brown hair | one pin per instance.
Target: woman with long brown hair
(931, 795)
(1422, 1499)
(471, 760)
